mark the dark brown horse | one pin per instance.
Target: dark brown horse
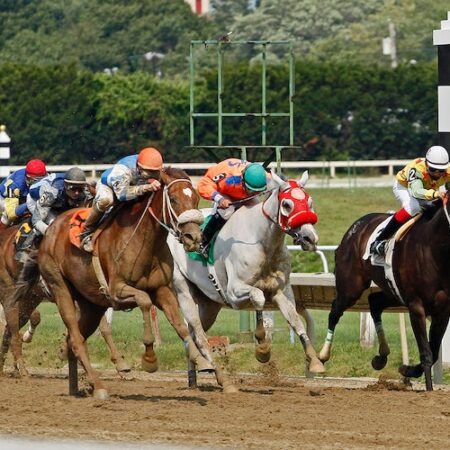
(17, 314)
(421, 272)
(136, 264)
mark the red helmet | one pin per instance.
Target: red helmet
(150, 158)
(35, 168)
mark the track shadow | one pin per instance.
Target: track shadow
(160, 398)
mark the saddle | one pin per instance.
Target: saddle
(76, 228)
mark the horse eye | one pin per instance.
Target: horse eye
(287, 207)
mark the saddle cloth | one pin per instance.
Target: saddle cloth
(76, 226)
(199, 257)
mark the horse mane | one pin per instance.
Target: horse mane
(176, 173)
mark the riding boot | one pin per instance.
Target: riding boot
(378, 246)
(212, 227)
(89, 227)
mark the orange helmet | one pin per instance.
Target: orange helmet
(150, 158)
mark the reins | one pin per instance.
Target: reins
(170, 220)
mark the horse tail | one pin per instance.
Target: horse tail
(28, 278)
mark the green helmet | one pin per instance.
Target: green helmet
(255, 177)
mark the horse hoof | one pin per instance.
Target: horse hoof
(324, 356)
(27, 337)
(316, 366)
(122, 366)
(126, 375)
(379, 362)
(101, 394)
(411, 371)
(149, 366)
(262, 356)
(262, 353)
(205, 367)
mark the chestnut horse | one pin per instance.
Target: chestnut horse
(420, 264)
(136, 264)
(17, 314)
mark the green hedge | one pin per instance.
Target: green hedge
(68, 115)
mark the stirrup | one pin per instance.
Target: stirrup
(86, 243)
(378, 248)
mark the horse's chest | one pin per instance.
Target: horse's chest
(271, 282)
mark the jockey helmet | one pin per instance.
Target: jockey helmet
(75, 176)
(254, 177)
(35, 168)
(150, 158)
(437, 157)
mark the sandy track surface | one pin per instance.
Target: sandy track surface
(267, 413)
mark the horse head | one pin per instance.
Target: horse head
(180, 208)
(295, 214)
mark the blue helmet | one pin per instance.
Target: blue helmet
(254, 177)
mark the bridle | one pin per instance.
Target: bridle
(278, 221)
(170, 220)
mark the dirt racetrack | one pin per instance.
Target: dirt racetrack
(268, 412)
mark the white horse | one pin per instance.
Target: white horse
(251, 268)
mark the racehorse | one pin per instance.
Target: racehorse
(251, 266)
(422, 276)
(17, 314)
(136, 266)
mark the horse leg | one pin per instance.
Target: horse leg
(6, 340)
(263, 346)
(12, 314)
(418, 322)
(122, 367)
(35, 320)
(340, 304)
(166, 299)
(289, 312)
(439, 323)
(68, 312)
(123, 292)
(378, 302)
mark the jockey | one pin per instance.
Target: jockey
(51, 196)
(14, 190)
(128, 179)
(230, 180)
(415, 186)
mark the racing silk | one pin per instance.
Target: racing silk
(123, 178)
(416, 178)
(14, 189)
(223, 180)
(47, 198)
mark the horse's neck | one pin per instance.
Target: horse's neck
(261, 221)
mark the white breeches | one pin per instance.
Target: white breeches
(104, 197)
(412, 205)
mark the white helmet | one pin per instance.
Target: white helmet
(437, 157)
